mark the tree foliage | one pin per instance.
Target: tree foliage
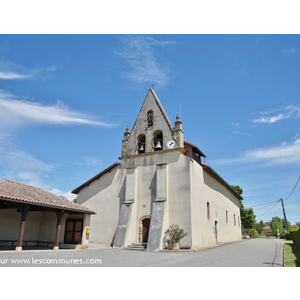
(278, 223)
(259, 226)
(247, 214)
(253, 233)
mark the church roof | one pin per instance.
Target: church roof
(15, 192)
(76, 191)
(214, 174)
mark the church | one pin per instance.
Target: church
(160, 180)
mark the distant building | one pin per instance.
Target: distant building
(32, 217)
(159, 181)
(266, 229)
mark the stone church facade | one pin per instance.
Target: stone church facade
(160, 180)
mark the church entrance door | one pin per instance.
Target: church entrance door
(146, 227)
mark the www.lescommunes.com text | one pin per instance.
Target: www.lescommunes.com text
(50, 261)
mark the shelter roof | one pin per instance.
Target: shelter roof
(13, 192)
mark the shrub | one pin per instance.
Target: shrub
(175, 233)
(296, 237)
(253, 233)
(289, 235)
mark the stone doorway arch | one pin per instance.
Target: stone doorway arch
(144, 227)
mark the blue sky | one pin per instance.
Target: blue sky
(65, 101)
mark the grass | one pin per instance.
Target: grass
(292, 255)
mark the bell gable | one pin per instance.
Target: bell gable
(152, 130)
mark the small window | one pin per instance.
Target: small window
(226, 216)
(208, 211)
(150, 118)
(234, 220)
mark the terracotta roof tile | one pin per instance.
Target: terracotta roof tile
(18, 192)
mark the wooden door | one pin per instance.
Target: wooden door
(73, 232)
(146, 226)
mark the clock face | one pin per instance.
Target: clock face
(171, 144)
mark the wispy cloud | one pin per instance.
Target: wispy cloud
(286, 113)
(292, 50)
(18, 164)
(89, 161)
(241, 132)
(285, 153)
(13, 75)
(140, 53)
(272, 119)
(10, 70)
(15, 112)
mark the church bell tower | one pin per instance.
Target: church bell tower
(152, 130)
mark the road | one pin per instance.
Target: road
(246, 253)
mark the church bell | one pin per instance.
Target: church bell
(158, 145)
(142, 148)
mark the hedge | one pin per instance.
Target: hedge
(296, 237)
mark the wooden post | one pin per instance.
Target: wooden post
(285, 220)
(24, 210)
(59, 214)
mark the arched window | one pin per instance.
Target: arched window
(150, 118)
(141, 143)
(158, 140)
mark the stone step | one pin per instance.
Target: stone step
(134, 246)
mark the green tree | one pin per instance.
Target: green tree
(282, 221)
(238, 189)
(276, 223)
(248, 220)
(247, 214)
(259, 226)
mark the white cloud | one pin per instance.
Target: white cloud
(140, 53)
(67, 195)
(12, 75)
(287, 112)
(31, 178)
(285, 153)
(272, 119)
(14, 113)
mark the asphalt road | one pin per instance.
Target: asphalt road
(246, 253)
